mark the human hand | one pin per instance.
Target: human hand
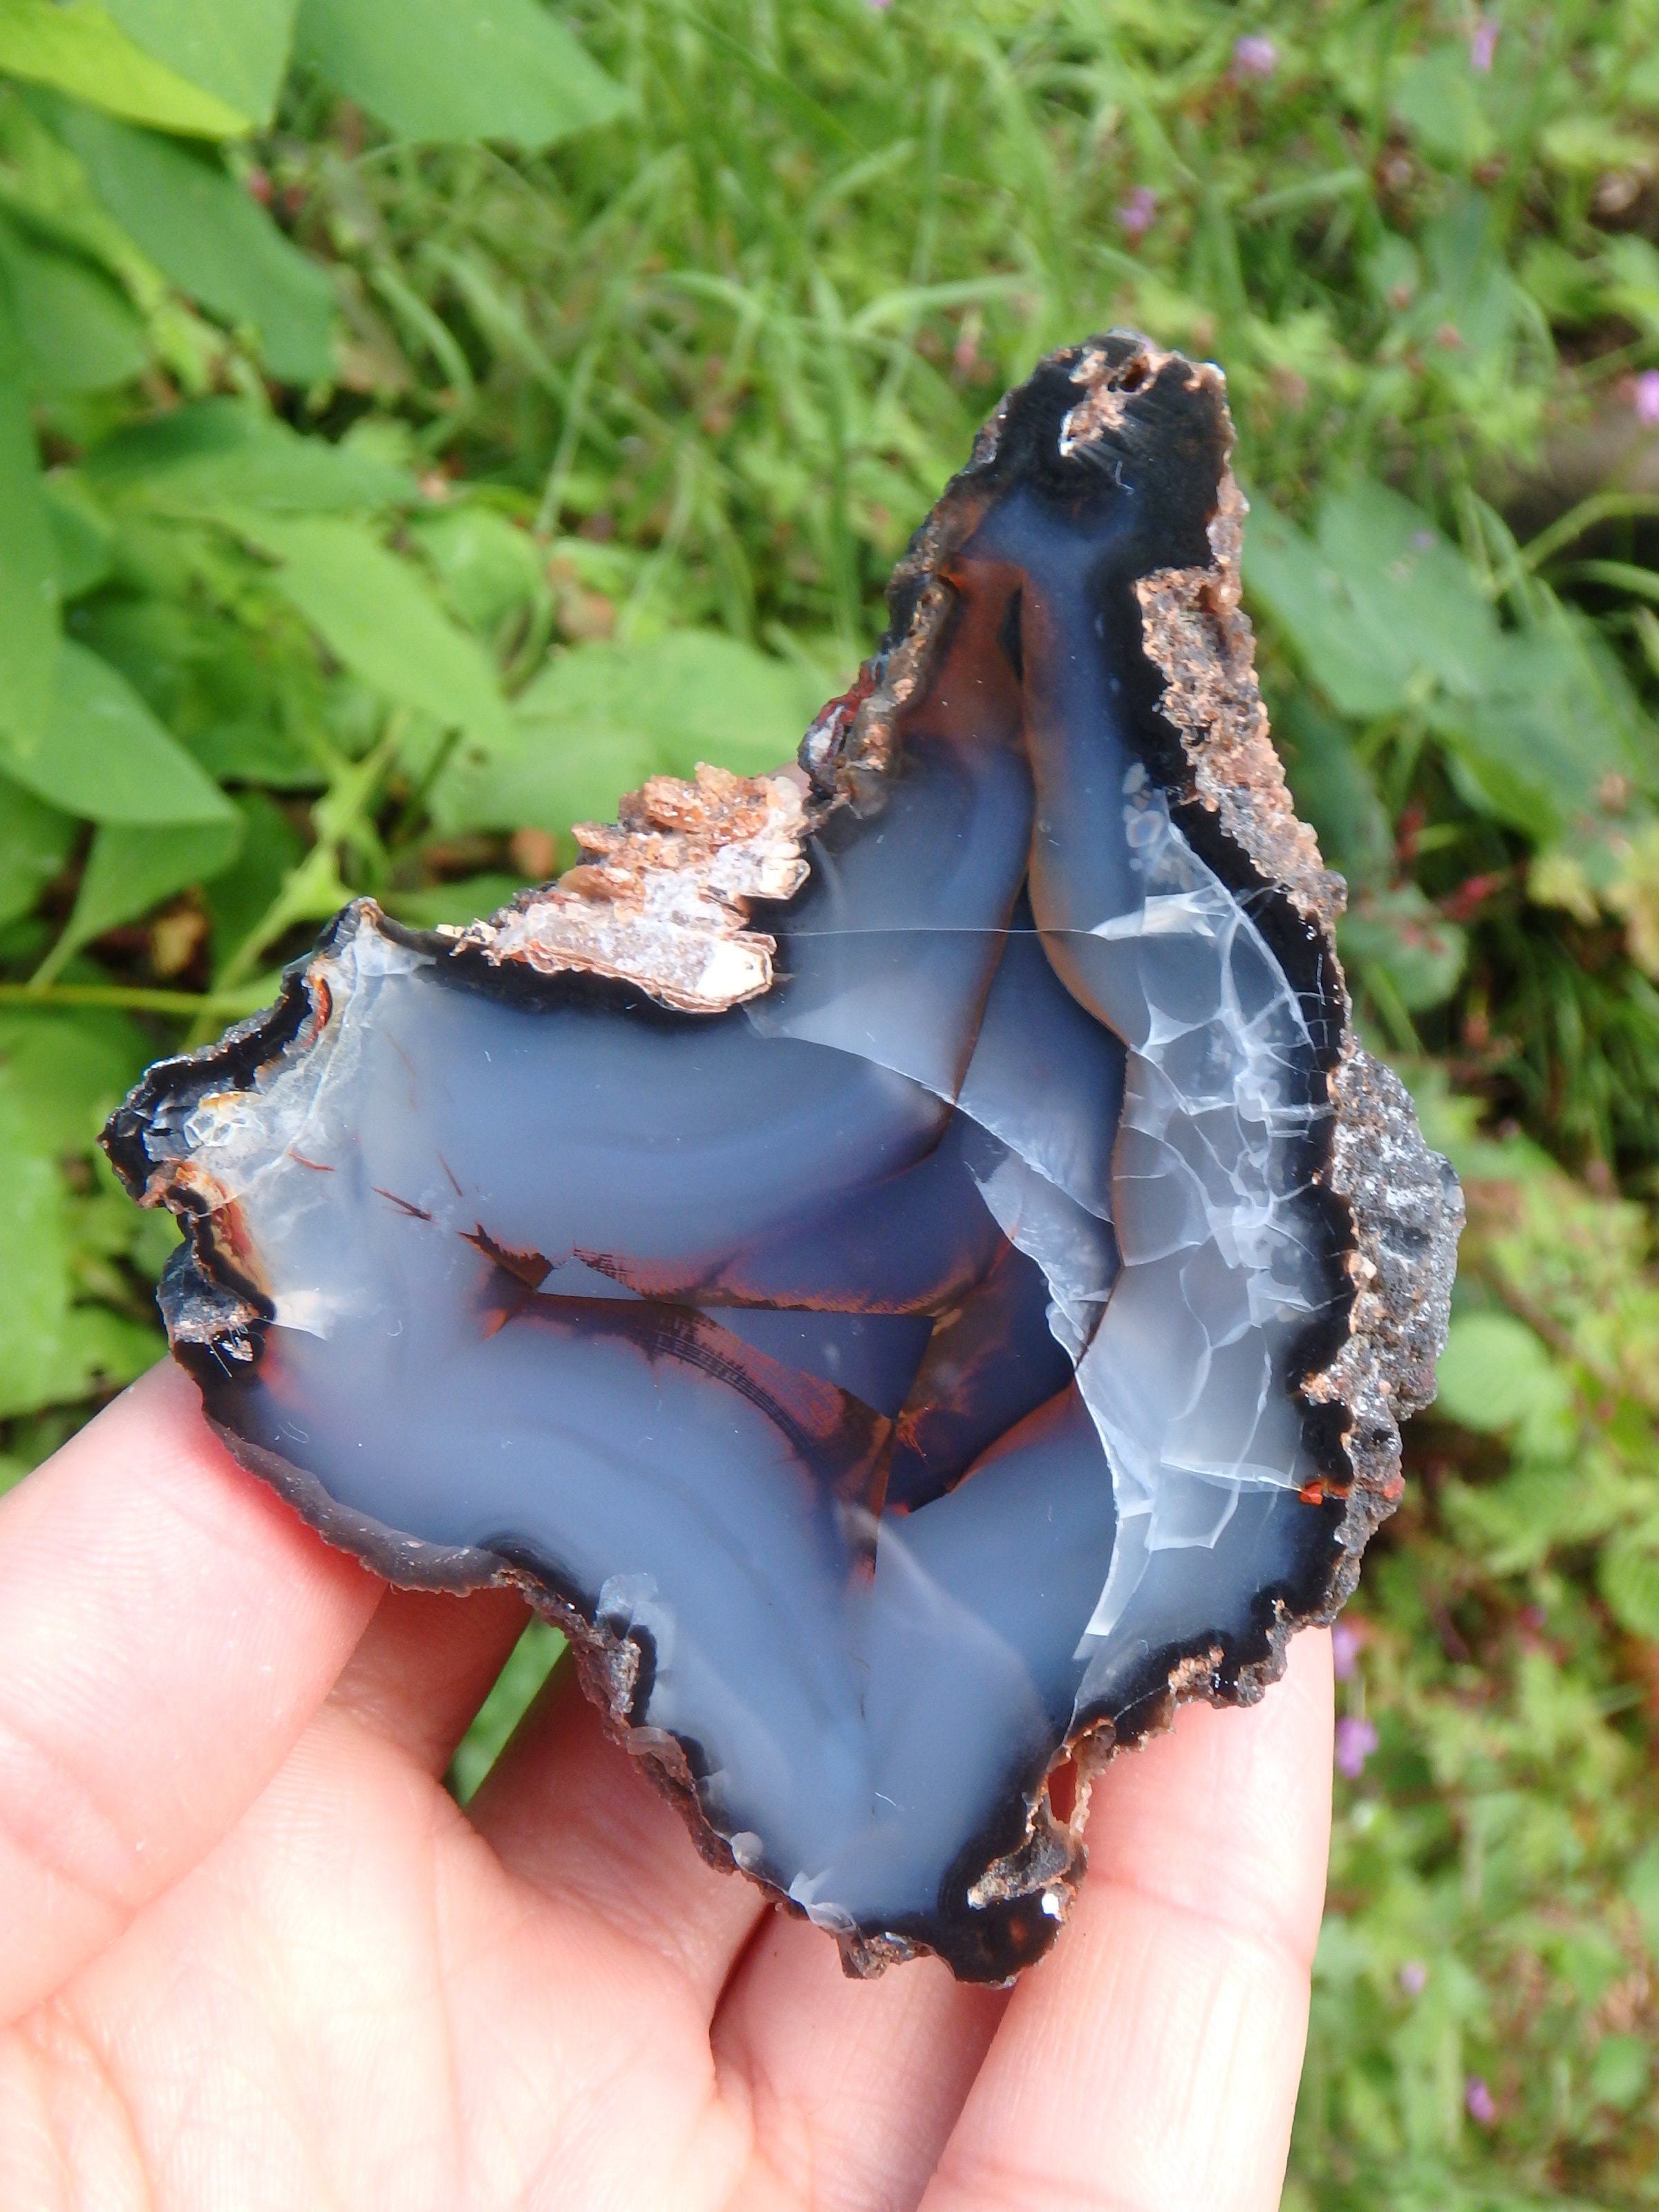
(254, 1959)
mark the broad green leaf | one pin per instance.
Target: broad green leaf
(490, 570)
(53, 1350)
(1590, 145)
(603, 717)
(1437, 97)
(37, 1365)
(245, 701)
(1394, 929)
(1380, 608)
(28, 563)
(1621, 2071)
(105, 756)
(237, 49)
(458, 70)
(80, 332)
(34, 843)
(550, 776)
(1557, 722)
(65, 1072)
(78, 47)
(212, 238)
(1496, 1373)
(1283, 571)
(133, 867)
(81, 535)
(239, 898)
(223, 452)
(1411, 589)
(1629, 1576)
(1642, 1887)
(463, 901)
(377, 614)
(1334, 791)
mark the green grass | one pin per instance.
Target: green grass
(643, 419)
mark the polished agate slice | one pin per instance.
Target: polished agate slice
(903, 1259)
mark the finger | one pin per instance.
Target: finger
(570, 1812)
(1151, 2063)
(426, 1664)
(853, 2088)
(166, 1628)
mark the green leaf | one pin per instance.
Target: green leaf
(106, 757)
(78, 47)
(1642, 1887)
(1380, 608)
(212, 238)
(80, 332)
(66, 1071)
(53, 1350)
(1496, 1373)
(1629, 1577)
(458, 70)
(81, 535)
(1395, 929)
(1437, 97)
(1309, 601)
(602, 717)
(1621, 2071)
(1334, 791)
(1557, 722)
(133, 867)
(375, 613)
(222, 453)
(463, 901)
(270, 848)
(29, 561)
(237, 49)
(35, 844)
(489, 569)
(531, 1660)
(244, 701)
(37, 1365)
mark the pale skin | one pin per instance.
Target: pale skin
(254, 1959)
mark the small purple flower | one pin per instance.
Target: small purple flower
(1478, 2102)
(1414, 1977)
(1644, 398)
(1483, 43)
(1356, 1739)
(877, 6)
(1254, 57)
(1345, 1641)
(1136, 213)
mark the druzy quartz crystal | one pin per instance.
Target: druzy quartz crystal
(904, 1258)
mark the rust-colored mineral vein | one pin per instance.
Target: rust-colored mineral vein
(662, 900)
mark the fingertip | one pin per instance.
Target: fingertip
(168, 1627)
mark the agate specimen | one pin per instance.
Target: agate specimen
(903, 1259)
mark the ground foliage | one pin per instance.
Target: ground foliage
(419, 419)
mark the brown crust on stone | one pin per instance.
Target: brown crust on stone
(662, 899)
(1196, 632)
(1110, 379)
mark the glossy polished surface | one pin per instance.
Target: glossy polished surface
(903, 1366)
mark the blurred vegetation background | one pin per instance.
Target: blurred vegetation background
(421, 419)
